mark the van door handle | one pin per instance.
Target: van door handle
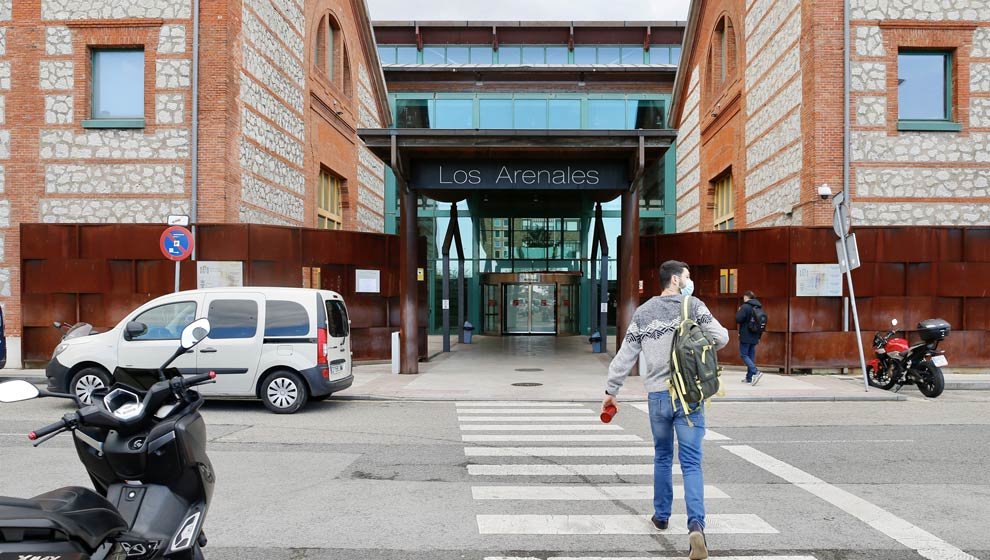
(208, 351)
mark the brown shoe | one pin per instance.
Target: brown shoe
(697, 542)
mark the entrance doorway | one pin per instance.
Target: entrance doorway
(530, 308)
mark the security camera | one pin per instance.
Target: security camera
(824, 192)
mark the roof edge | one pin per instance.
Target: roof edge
(367, 33)
(526, 23)
(687, 46)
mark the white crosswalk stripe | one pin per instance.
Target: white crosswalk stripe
(581, 492)
(586, 451)
(726, 523)
(563, 470)
(555, 438)
(508, 411)
(519, 404)
(647, 558)
(528, 419)
(540, 427)
(709, 434)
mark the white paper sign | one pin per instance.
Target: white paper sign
(446, 304)
(368, 281)
(219, 274)
(604, 308)
(819, 280)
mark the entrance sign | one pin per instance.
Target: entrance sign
(522, 174)
(219, 274)
(176, 243)
(819, 280)
(367, 281)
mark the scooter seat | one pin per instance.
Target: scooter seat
(78, 512)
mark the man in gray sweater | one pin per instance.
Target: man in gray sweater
(652, 333)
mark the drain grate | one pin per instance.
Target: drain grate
(529, 369)
(527, 384)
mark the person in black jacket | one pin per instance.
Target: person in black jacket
(748, 339)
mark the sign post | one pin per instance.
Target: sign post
(841, 224)
(176, 244)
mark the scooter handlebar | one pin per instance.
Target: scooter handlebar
(199, 379)
(67, 421)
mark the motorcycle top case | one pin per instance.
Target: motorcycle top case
(934, 330)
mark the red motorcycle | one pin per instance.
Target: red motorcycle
(898, 363)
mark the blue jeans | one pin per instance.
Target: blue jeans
(748, 354)
(664, 421)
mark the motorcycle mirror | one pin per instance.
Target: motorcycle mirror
(194, 333)
(893, 322)
(18, 390)
(57, 324)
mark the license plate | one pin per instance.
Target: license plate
(940, 361)
(336, 368)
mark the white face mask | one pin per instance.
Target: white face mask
(688, 287)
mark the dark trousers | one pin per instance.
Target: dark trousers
(748, 354)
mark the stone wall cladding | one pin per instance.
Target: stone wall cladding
(4, 144)
(4, 213)
(293, 12)
(922, 183)
(271, 168)
(367, 118)
(3, 41)
(921, 214)
(170, 108)
(58, 109)
(56, 74)
(6, 8)
(269, 46)
(117, 178)
(775, 201)
(117, 144)
(124, 211)
(979, 112)
(787, 100)
(981, 42)
(273, 109)
(868, 76)
(249, 215)
(369, 181)
(760, 61)
(370, 221)
(688, 166)
(259, 193)
(172, 39)
(689, 221)
(173, 73)
(5, 75)
(58, 41)
(278, 24)
(363, 77)
(785, 163)
(690, 199)
(920, 147)
(762, 29)
(979, 77)
(920, 9)
(871, 111)
(268, 137)
(267, 75)
(3, 178)
(115, 9)
(5, 283)
(3, 109)
(777, 138)
(869, 41)
(759, 93)
(371, 162)
(369, 199)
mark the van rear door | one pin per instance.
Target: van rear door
(233, 348)
(338, 339)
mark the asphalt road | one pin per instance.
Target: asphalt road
(416, 480)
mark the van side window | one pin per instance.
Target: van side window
(336, 319)
(166, 322)
(233, 318)
(285, 318)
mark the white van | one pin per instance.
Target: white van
(282, 345)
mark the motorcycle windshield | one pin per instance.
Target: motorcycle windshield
(78, 330)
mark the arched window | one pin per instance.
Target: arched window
(330, 56)
(324, 52)
(721, 56)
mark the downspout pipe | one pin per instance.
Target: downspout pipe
(846, 135)
(194, 167)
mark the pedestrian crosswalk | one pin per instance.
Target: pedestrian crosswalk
(532, 465)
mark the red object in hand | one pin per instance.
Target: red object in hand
(610, 411)
(213, 375)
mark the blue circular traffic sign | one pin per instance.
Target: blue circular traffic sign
(176, 243)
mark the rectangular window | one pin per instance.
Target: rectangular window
(728, 280)
(233, 318)
(434, 55)
(632, 55)
(481, 55)
(509, 55)
(924, 90)
(724, 203)
(337, 322)
(285, 318)
(585, 55)
(659, 55)
(556, 55)
(645, 113)
(607, 114)
(534, 55)
(495, 113)
(675, 55)
(117, 89)
(565, 113)
(457, 55)
(455, 113)
(609, 55)
(530, 113)
(329, 202)
(412, 113)
(406, 55)
(387, 55)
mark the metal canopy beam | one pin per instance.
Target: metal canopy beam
(453, 236)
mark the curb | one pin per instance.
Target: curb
(779, 399)
(967, 386)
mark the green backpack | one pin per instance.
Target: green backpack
(694, 371)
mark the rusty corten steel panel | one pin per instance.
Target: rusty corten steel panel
(963, 279)
(812, 245)
(40, 310)
(227, 242)
(45, 241)
(64, 275)
(121, 241)
(977, 315)
(880, 279)
(763, 246)
(769, 353)
(815, 314)
(274, 243)
(976, 245)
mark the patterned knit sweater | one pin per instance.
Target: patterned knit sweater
(652, 333)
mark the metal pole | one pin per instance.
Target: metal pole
(852, 298)
(445, 301)
(603, 302)
(177, 269)
(845, 103)
(194, 133)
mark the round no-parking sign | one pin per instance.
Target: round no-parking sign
(176, 243)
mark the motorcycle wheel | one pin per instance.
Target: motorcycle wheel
(882, 379)
(932, 383)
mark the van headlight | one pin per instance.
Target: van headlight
(59, 349)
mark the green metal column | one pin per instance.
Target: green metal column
(670, 189)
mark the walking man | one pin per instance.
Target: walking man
(751, 320)
(652, 333)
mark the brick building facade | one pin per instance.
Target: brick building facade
(283, 87)
(759, 98)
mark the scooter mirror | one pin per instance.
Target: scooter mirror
(19, 390)
(893, 322)
(194, 333)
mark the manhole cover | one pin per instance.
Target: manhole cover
(529, 369)
(527, 384)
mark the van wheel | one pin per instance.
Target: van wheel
(283, 392)
(87, 380)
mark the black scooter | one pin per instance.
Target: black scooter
(145, 451)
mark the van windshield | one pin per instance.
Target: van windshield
(336, 319)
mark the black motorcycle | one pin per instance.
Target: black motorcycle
(145, 452)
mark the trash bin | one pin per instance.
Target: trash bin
(596, 342)
(468, 332)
